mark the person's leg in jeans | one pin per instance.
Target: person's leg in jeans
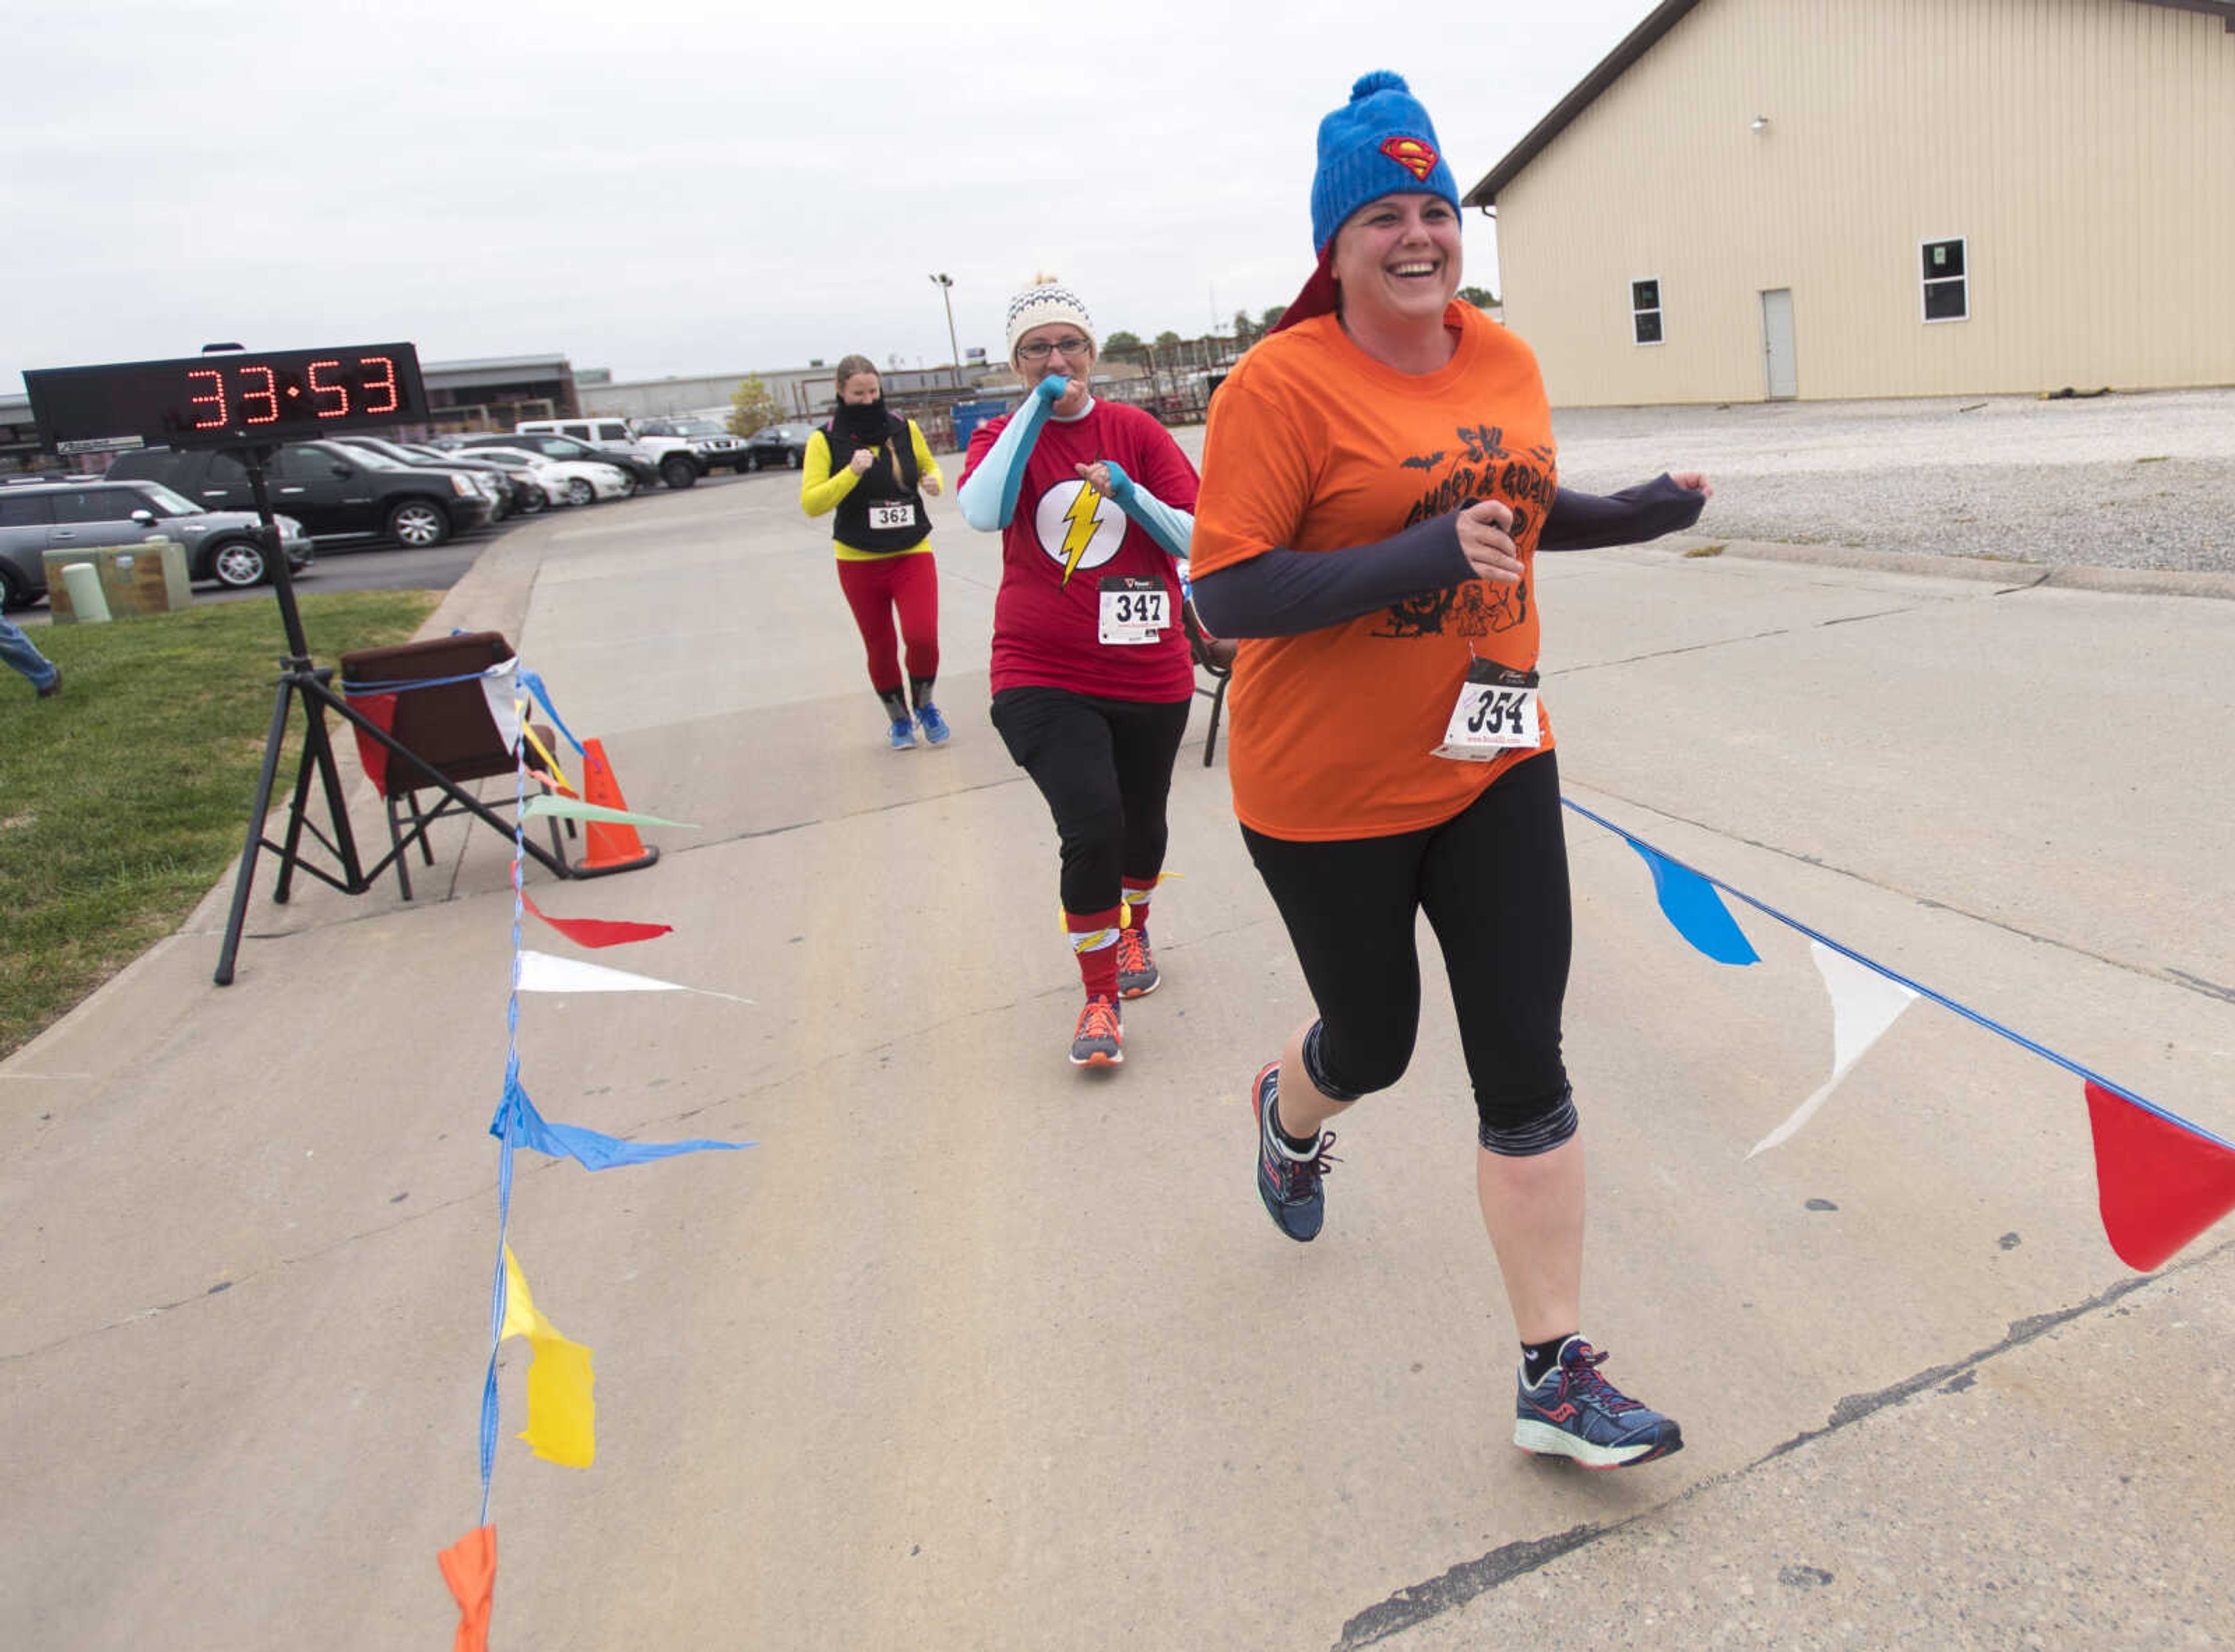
(23, 654)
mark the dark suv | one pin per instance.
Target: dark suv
(335, 492)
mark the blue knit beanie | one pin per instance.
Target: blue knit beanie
(1379, 143)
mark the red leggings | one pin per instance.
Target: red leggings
(908, 582)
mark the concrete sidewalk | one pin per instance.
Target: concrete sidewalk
(975, 1350)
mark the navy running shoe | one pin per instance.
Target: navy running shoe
(1575, 1413)
(1290, 1187)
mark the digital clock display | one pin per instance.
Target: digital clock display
(233, 399)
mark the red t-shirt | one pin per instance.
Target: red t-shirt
(1064, 539)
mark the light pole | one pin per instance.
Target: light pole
(945, 283)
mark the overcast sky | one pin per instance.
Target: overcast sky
(692, 188)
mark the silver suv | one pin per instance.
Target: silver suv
(226, 546)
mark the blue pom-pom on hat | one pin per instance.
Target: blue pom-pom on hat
(1379, 143)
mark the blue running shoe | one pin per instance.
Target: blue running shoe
(934, 726)
(1290, 1187)
(1575, 1413)
(902, 736)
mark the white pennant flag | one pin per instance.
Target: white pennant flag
(500, 686)
(540, 972)
(1863, 1004)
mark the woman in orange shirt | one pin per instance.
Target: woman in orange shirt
(1377, 480)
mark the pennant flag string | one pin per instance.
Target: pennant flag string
(1900, 980)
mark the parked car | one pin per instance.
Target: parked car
(336, 492)
(226, 545)
(490, 479)
(525, 497)
(710, 439)
(641, 472)
(778, 447)
(675, 461)
(567, 481)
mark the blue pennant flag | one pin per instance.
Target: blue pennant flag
(1690, 902)
(518, 1124)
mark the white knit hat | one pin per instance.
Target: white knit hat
(1047, 299)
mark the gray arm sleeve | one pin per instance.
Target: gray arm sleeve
(1587, 521)
(1280, 592)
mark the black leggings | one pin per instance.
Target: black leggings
(1493, 881)
(1105, 768)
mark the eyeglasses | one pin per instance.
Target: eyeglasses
(1040, 350)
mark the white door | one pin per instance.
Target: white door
(1777, 345)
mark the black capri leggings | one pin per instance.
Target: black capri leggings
(1493, 881)
(1105, 768)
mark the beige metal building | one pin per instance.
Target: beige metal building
(1821, 198)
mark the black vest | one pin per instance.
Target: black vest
(891, 480)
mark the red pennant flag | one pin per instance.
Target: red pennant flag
(598, 932)
(2160, 1184)
(379, 709)
(469, 1567)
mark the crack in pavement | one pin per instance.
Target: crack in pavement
(1471, 1579)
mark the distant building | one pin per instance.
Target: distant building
(1761, 199)
(801, 392)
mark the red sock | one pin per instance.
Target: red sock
(1094, 938)
(1137, 907)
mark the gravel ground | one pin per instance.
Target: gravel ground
(2123, 480)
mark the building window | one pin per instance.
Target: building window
(1947, 290)
(1645, 311)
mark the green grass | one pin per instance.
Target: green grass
(124, 798)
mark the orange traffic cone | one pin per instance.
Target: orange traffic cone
(610, 847)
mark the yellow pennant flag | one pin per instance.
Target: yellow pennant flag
(562, 1416)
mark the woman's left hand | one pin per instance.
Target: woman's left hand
(931, 486)
(1694, 481)
(1096, 475)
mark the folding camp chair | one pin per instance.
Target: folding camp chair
(447, 736)
(1214, 655)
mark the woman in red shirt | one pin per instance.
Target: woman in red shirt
(1092, 677)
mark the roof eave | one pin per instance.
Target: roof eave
(1611, 68)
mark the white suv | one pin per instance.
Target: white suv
(678, 466)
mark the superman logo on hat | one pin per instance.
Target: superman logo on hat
(1411, 154)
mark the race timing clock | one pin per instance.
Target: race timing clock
(233, 399)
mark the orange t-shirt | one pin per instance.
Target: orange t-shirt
(1315, 446)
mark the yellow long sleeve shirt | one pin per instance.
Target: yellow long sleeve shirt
(819, 491)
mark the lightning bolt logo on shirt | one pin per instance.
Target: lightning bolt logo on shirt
(1077, 527)
(1081, 516)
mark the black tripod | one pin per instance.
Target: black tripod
(300, 679)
